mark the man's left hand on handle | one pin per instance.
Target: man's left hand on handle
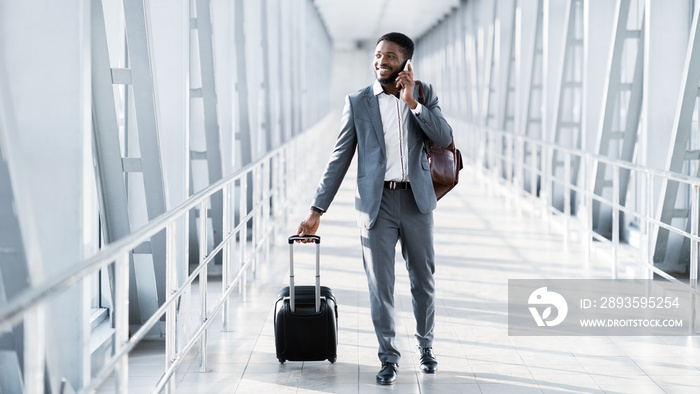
(309, 226)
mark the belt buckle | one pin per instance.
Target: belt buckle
(392, 185)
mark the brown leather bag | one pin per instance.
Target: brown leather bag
(445, 163)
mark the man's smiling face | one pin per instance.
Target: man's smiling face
(388, 62)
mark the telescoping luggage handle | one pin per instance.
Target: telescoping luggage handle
(317, 241)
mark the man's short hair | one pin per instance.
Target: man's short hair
(401, 40)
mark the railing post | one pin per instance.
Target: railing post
(580, 200)
(226, 257)
(694, 208)
(243, 234)
(481, 141)
(284, 172)
(170, 287)
(257, 216)
(272, 187)
(588, 234)
(615, 218)
(35, 350)
(475, 147)
(548, 186)
(512, 173)
(281, 206)
(483, 152)
(533, 177)
(502, 164)
(498, 157)
(508, 159)
(492, 160)
(643, 228)
(512, 151)
(650, 225)
(279, 209)
(567, 197)
(520, 187)
(203, 276)
(121, 319)
(543, 181)
(267, 201)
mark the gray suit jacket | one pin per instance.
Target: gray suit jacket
(361, 128)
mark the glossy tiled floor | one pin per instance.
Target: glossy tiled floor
(481, 244)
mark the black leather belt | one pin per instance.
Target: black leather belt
(393, 185)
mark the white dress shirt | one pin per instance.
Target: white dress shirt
(394, 112)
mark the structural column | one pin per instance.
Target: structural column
(666, 29)
(45, 73)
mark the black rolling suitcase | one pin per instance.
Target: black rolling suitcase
(306, 319)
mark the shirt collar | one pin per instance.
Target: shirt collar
(377, 88)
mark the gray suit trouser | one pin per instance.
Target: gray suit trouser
(400, 219)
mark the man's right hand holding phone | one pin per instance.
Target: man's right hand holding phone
(405, 82)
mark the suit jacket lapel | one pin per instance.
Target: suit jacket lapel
(375, 116)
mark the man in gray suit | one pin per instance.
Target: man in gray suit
(395, 197)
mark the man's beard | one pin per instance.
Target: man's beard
(388, 80)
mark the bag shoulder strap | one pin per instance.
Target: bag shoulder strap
(421, 97)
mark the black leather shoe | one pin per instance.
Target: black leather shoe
(387, 375)
(428, 363)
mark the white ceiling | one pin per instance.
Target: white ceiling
(353, 21)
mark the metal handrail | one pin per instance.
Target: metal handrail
(11, 314)
(673, 176)
(517, 165)
(29, 305)
(664, 175)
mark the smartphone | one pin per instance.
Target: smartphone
(405, 68)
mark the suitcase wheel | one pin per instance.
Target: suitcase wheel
(332, 360)
(281, 360)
